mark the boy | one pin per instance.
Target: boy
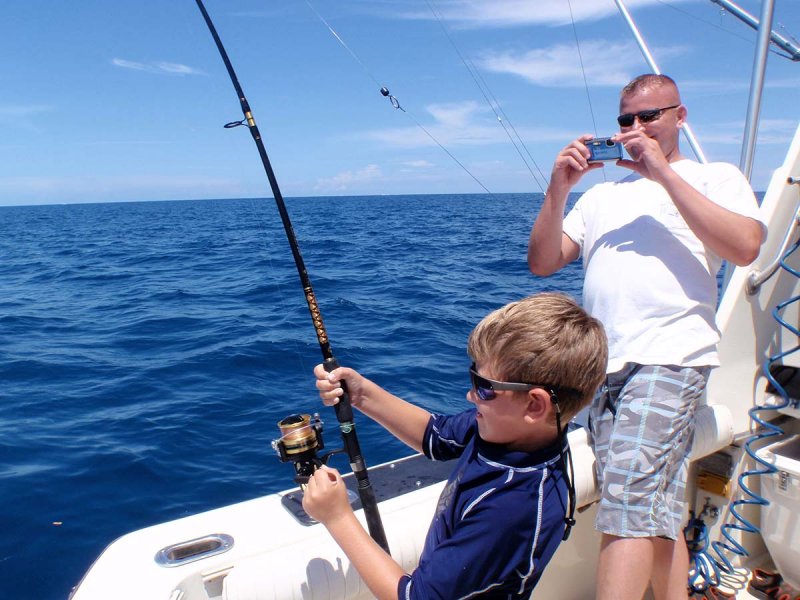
(501, 515)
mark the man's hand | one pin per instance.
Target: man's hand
(648, 158)
(571, 164)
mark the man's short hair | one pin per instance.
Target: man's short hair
(646, 82)
(546, 339)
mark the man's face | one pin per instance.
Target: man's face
(665, 129)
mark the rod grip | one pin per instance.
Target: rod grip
(343, 408)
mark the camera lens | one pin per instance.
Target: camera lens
(609, 142)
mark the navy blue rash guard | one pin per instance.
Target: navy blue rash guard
(498, 522)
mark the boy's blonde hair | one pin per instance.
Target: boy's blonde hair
(547, 339)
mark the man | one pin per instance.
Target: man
(652, 245)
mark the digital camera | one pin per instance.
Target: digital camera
(602, 149)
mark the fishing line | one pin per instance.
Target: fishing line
(393, 100)
(583, 72)
(344, 409)
(480, 82)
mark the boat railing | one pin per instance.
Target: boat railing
(756, 278)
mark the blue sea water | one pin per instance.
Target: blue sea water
(147, 350)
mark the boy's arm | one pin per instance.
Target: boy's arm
(326, 501)
(404, 420)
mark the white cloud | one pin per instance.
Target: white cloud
(157, 67)
(177, 68)
(453, 114)
(345, 180)
(22, 117)
(13, 111)
(455, 123)
(417, 164)
(460, 124)
(790, 83)
(770, 131)
(88, 188)
(605, 63)
(509, 13)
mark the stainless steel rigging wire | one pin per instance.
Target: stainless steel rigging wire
(394, 101)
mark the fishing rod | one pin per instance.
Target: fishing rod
(344, 409)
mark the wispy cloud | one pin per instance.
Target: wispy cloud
(770, 131)
(776, 131)
(23, 116)
(416, 164)
(789, 83)
(161, 67)
(459, 124)
(510, 13)
(13, 111)
(605, 63)
(346, 180)
(721, 87)
(90, 188)
(714, 86)
(456, 123)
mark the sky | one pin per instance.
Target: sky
(126, 101)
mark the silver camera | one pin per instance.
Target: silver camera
(603, 149)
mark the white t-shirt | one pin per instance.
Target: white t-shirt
(649, 279)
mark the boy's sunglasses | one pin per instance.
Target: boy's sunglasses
(644, 116)
(487, 389)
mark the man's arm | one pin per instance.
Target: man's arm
(732, 236)
(549, 248)
(406, 421)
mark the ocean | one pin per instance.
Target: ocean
(149, 349)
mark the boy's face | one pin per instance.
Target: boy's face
(502, 420)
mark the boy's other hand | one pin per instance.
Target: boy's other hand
(330, 388)
(325, 496)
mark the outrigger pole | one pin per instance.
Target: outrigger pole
(344, 410)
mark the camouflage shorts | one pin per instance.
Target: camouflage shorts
(641, 424)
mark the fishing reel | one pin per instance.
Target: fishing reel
(301, 439)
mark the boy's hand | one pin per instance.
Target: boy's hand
(330, 389)
(325, 496)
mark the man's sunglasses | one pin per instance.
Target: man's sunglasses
(644, 116)
(487, 389)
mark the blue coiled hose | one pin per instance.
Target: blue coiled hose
(712, 569)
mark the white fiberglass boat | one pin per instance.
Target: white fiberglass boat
(744, 486)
